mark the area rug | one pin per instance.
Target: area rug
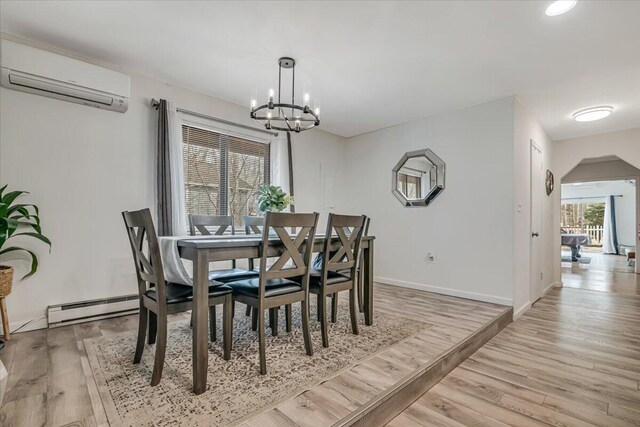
(582, 260)
(235, 387)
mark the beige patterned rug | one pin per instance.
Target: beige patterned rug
(236, 388)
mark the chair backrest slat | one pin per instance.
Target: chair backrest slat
(344, 256)
(253, 224)
(200, 223)
(145, 251)
(297, 248)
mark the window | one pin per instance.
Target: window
(222, 172)
(410, 185)
(583, 218)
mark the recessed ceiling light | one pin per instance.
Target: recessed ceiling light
(593, 113)
(559, 7)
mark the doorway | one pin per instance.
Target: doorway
(537, 190)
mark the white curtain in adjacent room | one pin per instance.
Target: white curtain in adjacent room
(178, 207)
(610, 234)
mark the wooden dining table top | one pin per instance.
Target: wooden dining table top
(242, 240)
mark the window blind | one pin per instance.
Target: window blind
(222, 172)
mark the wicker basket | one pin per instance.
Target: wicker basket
(6, 279)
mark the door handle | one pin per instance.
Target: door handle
(534, 234)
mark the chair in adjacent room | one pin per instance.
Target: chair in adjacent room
(159, 298)
(281, 283)
(339, 268)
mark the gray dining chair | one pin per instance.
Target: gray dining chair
(159, 298)
(281, 283)
(255, 225)
(360, 272)
(339, 269)
(218, 225)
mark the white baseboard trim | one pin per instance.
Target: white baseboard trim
(520, 311)
(445, 291)
(548, 288)
(30, 325)
(558, 284)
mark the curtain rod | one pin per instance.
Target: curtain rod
(592, 197)
(155, 103)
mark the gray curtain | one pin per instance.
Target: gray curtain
(163, 173)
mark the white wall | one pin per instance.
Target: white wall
(469, 226)
(569, 152)
(592, 192)
(526, 128)
(83, 166)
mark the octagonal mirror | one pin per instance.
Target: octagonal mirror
(418, 178)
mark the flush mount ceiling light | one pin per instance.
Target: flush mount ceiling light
(559, 7)
(279, 115)
(593, 113)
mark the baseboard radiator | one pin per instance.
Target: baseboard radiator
(86, 311)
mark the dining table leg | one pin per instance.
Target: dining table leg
(368, 283)
(200, 321)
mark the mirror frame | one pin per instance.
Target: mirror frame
(433, 193)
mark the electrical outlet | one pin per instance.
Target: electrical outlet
(431, 257)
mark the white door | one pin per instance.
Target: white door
(537, 193)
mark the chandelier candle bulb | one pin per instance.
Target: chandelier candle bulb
(271, 94)
(254, 104)
(306, 99)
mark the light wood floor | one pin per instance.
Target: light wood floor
(50, 382)
(606, 273)
(573, 359)
(599, 261)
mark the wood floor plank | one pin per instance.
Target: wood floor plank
(571, 360)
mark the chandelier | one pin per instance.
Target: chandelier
(279, 115)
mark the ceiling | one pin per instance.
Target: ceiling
(368, 65)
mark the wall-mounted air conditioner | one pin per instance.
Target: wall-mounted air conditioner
(36, 71)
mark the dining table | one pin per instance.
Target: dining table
(203, 250)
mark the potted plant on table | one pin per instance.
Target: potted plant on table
(16, 219)
(271, 198)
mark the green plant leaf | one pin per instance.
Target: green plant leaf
(10, 197)
(36, 236)
(2, 190)
(34, 259)
(22, 208)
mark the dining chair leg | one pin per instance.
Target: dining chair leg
(142, 332)
(153, 327)
(319, 304)
(248, 312)
(261, 341)
(191, 321)
(288, 315)
(227, 326)
(161, 348)
(254, 318)
(306, 333)
(233, 307)
(322, 309)
(212, 322)
(273, 320)
(352, 311)
(334, 308)
(361, 290)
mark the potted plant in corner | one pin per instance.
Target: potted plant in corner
(271, 198)
(16, 219)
